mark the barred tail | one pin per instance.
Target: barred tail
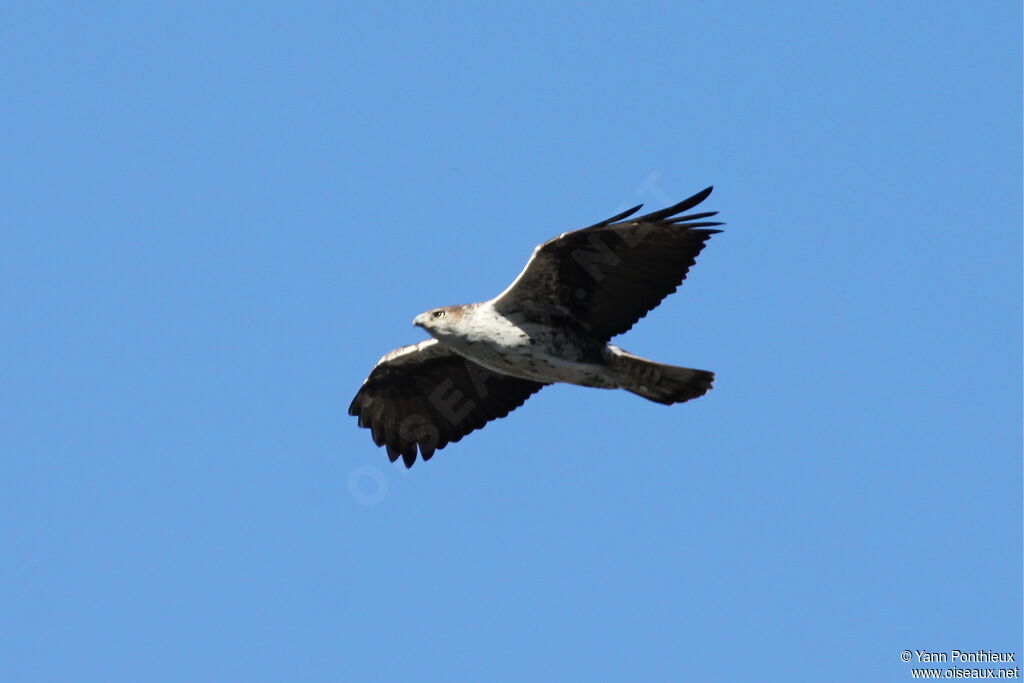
(665, 384)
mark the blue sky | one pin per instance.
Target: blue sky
(217, 218)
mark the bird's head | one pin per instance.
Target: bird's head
(440, 322)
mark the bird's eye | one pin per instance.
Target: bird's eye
(438, 314)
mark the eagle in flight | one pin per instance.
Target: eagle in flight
(552, 324)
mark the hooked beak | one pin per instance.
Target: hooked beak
(418, 321)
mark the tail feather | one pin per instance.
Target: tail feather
(665, 384)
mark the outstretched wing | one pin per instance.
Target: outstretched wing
(427, 396)
(606, 277)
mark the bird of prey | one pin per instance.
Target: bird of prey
(552, 324)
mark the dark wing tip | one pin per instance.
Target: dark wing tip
(700, 196)
(692, 217)
(617, 217)
(684, 205)
(705, 233)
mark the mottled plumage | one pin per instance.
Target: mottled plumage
(552, 324)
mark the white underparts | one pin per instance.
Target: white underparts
(521, 349)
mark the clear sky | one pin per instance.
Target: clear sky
(216, 218)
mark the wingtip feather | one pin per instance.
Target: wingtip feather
(684, 205)
(617, 217)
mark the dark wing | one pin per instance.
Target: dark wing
(427, 396)
(606, 277)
